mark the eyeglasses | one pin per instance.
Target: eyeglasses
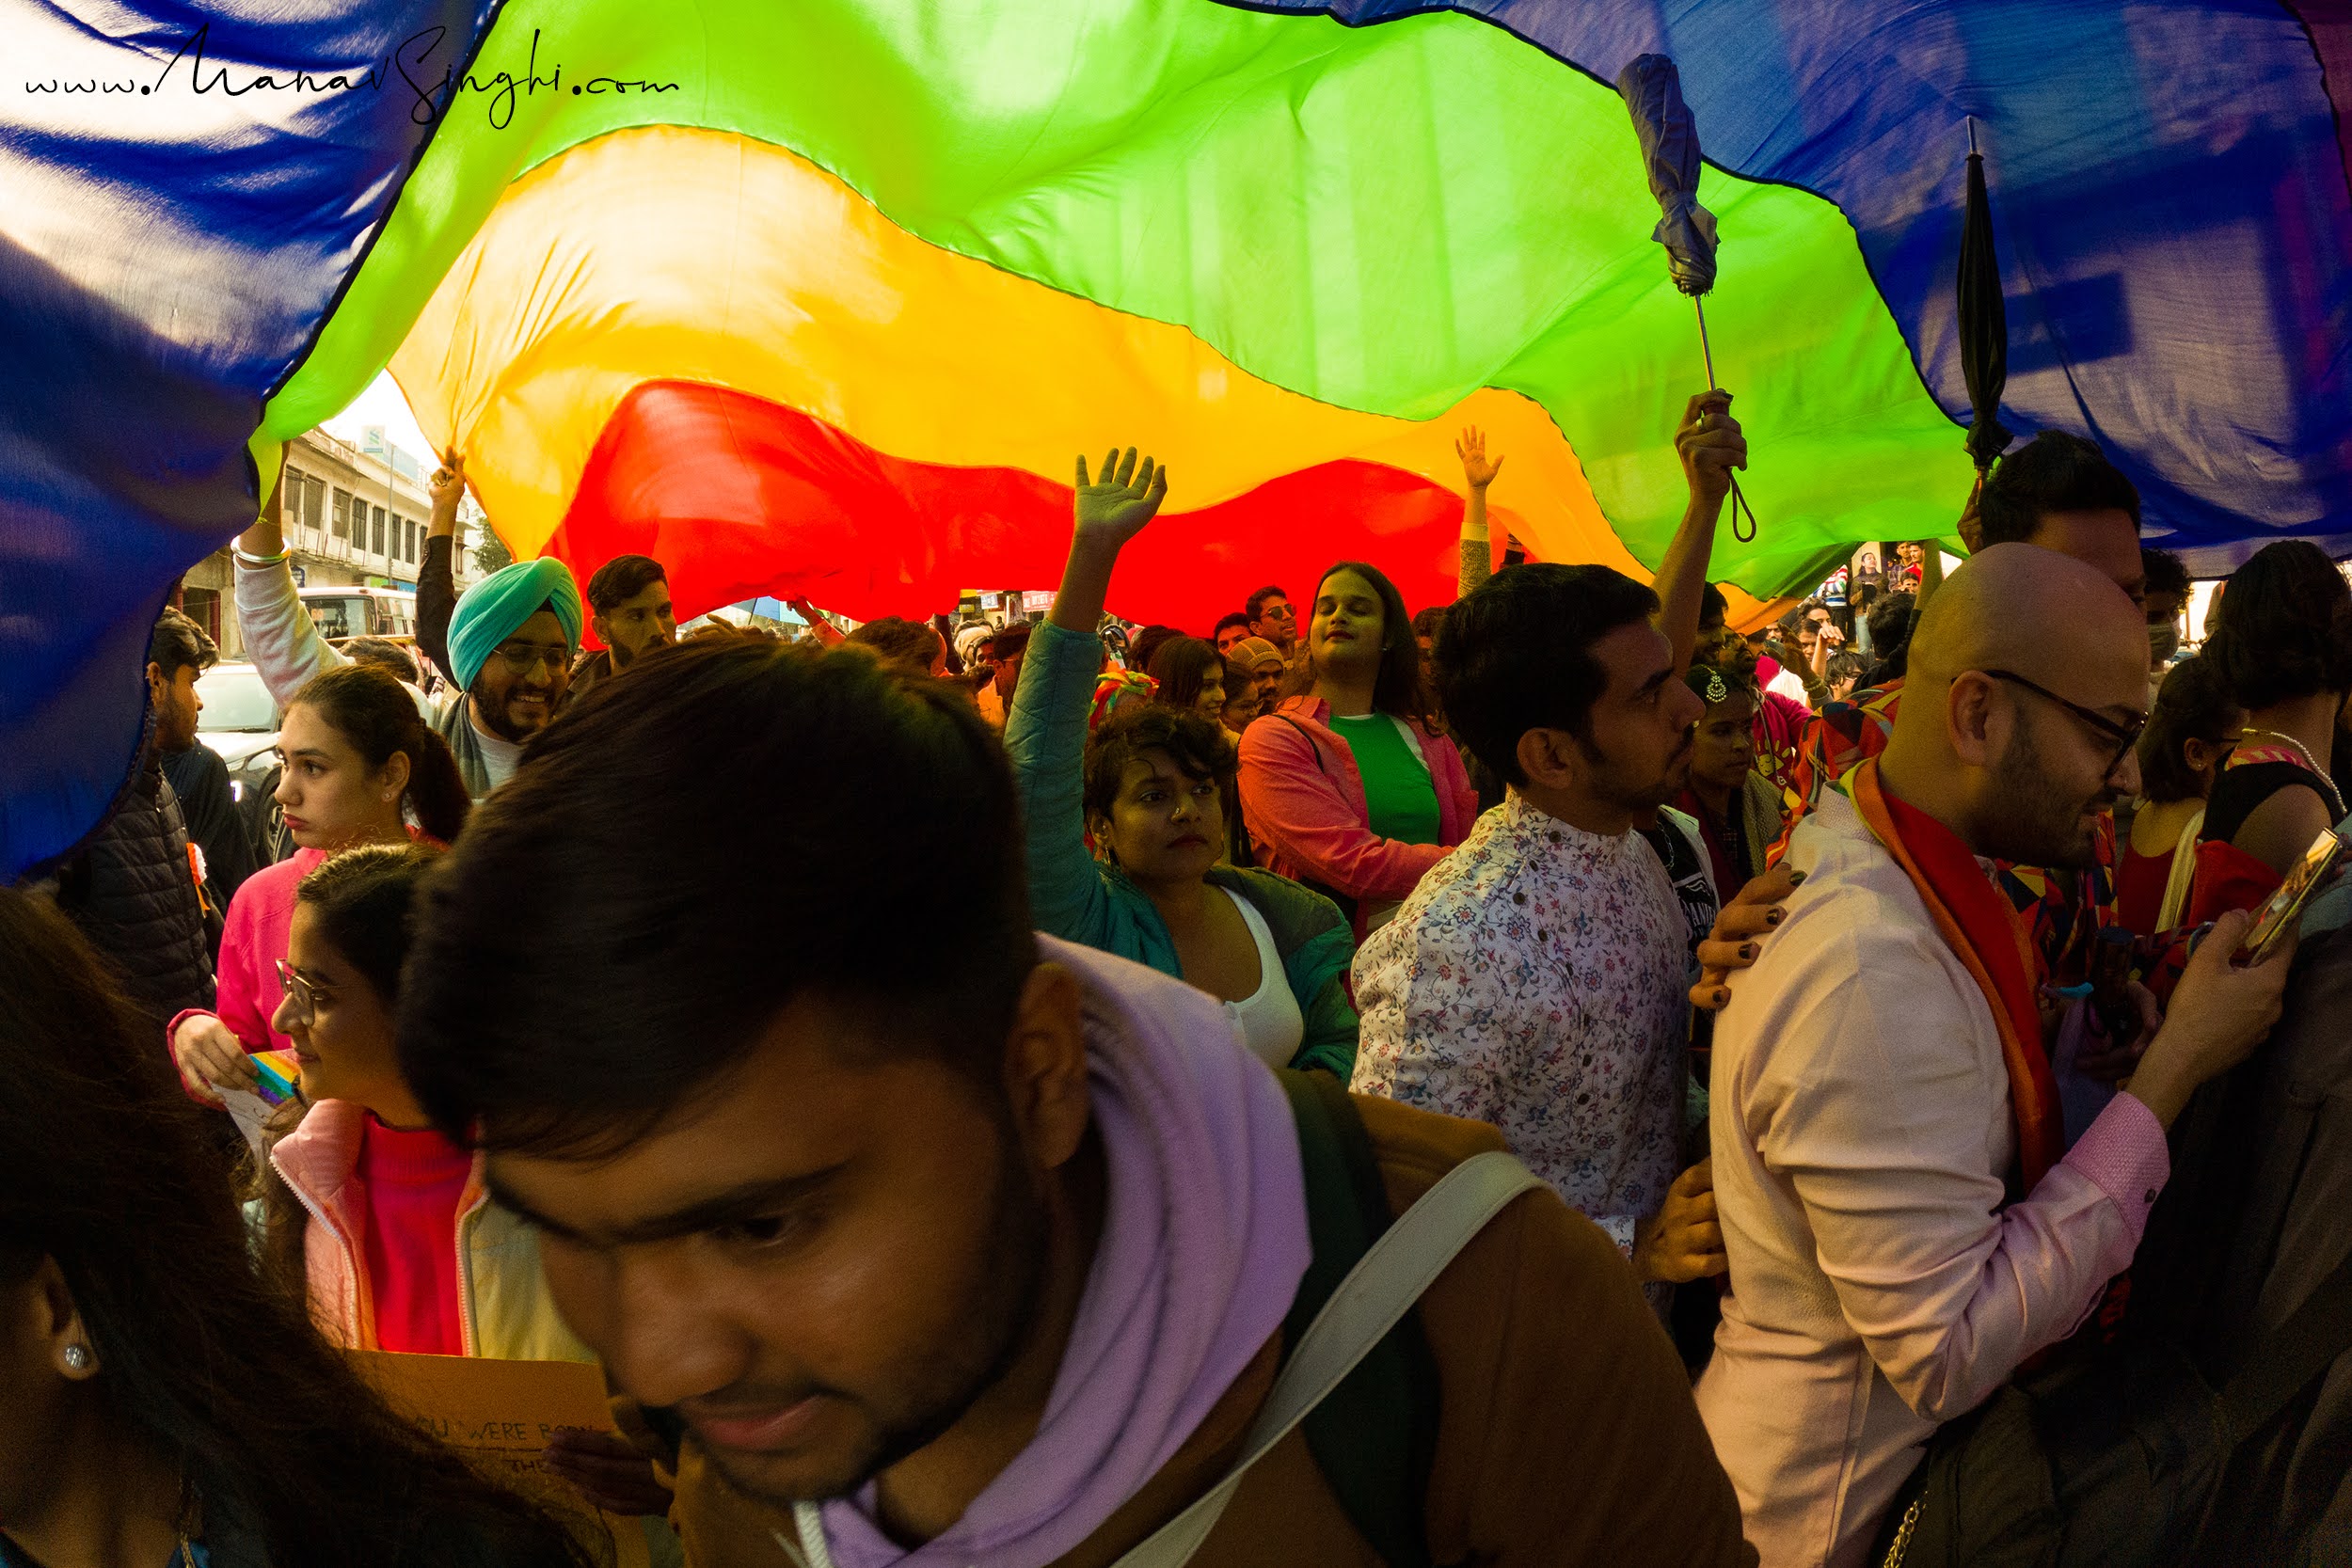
(295, 987)
(522, 657)
(2124, 736)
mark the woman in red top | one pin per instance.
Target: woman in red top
(2189, 735)
(2283, 642)
(374, 1215)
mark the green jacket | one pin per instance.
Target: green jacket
(1078, 899)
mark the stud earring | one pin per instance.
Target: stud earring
(78, 1358)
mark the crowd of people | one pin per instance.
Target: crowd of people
(1552, 1078)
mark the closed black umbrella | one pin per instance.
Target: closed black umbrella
(1652, 91)
(1983, 320)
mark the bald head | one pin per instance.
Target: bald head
(2027, 670)
(2037, 614)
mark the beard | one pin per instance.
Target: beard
(2036, 820)
(499, 717)
(932, 1395)
(1619, 785)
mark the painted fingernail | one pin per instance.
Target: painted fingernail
(1723, 997)
(1773, 917)
(1747, 950)
(1796, 878)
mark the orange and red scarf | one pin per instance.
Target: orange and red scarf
(1983, 930)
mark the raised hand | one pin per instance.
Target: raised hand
(1470, 447)
(1114, 507)
(1710, 445)
(448, 484)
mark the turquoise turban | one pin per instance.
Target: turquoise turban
(495, 607)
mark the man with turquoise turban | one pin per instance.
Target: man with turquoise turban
(512, 640)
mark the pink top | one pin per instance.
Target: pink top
(254, 937)
(408, 1187)
(1861, 1131)
(1303, 799)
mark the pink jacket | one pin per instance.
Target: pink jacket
(504, 1303)
(253, 940)
(1304, 801)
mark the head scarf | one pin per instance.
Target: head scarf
(495, 607)
(1115, 688)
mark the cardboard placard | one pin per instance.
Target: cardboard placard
(501, 1415)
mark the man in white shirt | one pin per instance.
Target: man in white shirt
(1535, 979)
(1869, 1104)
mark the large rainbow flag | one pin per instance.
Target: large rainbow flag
(825, 296)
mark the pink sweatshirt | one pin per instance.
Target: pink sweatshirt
(254, 938)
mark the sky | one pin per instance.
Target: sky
(382, 404)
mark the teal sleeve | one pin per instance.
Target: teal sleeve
(1045, 736)
(1318, 974)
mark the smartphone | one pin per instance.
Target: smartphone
(2279, 916)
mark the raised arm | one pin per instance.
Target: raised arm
(1110, 512)
(436, 575)
(1710, 446)
(280, 637)
(1045, 731)
(1478, 560)
(826, 633)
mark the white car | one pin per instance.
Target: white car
(240, 722)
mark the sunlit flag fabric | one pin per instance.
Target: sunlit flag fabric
(824, 297)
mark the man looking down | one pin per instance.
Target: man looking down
(978, 1244)
(1881, 1083)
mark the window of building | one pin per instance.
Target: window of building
(342, 513)
(314, 502)
(377, 541)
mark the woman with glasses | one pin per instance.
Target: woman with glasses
(360, 762)
(2189, 736)
(161, 1400)
(379, 1219)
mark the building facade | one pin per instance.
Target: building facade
(353, 516)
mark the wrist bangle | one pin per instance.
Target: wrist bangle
(246, 557)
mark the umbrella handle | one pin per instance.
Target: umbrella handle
(1740, 507)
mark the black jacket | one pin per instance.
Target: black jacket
(200, 780)
(133, 892)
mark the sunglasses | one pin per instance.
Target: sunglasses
(2124, 736)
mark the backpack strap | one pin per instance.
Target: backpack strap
(1378, 1291)
(1375, 1438)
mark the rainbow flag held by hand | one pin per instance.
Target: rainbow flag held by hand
(280, 1075)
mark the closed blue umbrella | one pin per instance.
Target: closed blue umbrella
(1652, 91)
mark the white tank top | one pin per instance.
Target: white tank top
(1269, 1020)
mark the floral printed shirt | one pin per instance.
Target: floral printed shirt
(1536, 981)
